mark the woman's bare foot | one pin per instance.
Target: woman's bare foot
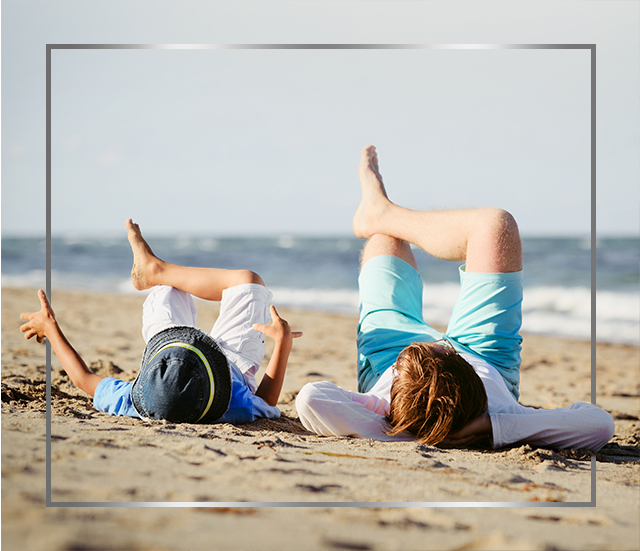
(146, 265)
(374, 201)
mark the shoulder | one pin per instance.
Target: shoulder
(109, 386)
(498, 394)
(114, 396)
(244, 405)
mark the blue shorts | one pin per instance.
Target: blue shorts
(486, 318)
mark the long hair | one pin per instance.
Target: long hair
(435, 393)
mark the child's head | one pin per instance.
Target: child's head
(435, 393)
(184, 378)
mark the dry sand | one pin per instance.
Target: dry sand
(99, 458)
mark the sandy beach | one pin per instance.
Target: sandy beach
(100, 458)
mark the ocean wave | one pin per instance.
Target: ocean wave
(69, 281)
(559, 311)
(548, 310)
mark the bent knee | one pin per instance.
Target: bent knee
(385, 245)
(499, 235)
(247, 276)
(500, 222)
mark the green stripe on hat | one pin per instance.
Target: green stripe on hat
(212, 386)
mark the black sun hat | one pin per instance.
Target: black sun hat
(184, 378)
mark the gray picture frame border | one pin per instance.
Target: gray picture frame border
(51, 47)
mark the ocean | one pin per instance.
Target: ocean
(320, 274)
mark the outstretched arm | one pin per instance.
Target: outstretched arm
(579, 425)
(280, 332)
(328, 410)
(43, 325)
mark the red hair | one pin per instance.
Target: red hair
(435, 393)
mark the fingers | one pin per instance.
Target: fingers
(276, 317)
(36, 320)
(259, 327)
(276, 321)
(44, 302)
(274, 313)
(266, 329)
(29, 332)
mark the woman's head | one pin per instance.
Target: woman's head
(435, 393)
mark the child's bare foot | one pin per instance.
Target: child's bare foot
(146, 265)
(374, 196)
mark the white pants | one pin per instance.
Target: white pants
(241, 306)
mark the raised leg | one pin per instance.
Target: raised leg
(206, 283)
(487, 239)
(380, 244)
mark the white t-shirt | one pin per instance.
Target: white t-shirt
(329, 410)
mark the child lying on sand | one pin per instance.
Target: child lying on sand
(414, 382)
(187, 375)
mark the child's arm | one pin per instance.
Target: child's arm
(579, 425)
(328, 410)
(280, 332)
(43, 324)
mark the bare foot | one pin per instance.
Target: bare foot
(145, 264)
(374, 196)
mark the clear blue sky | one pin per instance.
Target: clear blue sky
(267, 141)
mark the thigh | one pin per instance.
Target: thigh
(486, 321)
(390, 316)
(166, 307)
(242, 306)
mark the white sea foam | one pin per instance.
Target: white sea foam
(33, 278)
(342, 301)
(561, 311)
(69, 281)
(567, 311)
(549, 310)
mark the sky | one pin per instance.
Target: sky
(267, 141)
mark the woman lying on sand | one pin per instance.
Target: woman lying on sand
(187, 375)
(455, 388)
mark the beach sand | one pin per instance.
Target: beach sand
(100, 458)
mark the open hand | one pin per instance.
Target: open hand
(279, 329)
(38, 321)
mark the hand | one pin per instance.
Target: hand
(38, 321)
(279, 329)
(474, 431)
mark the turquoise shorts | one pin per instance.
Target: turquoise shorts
(486, 318)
